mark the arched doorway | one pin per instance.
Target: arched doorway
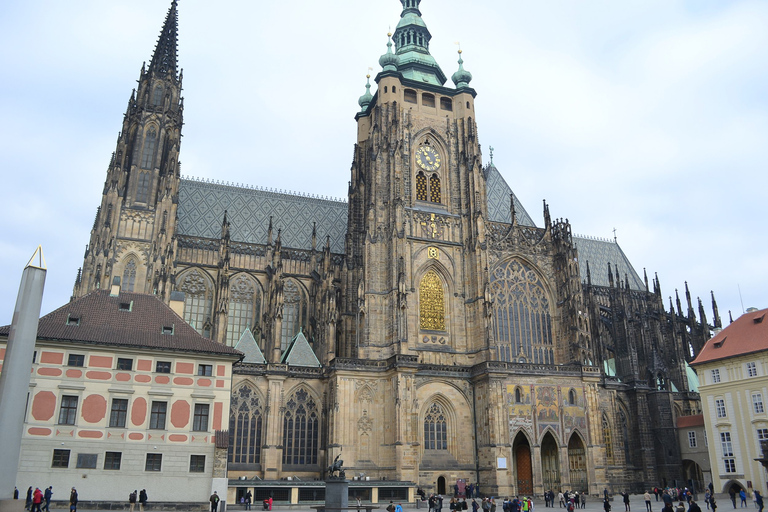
(550, 463)
(577, 464)
(694, 476)
(523, 466)
(441, 485)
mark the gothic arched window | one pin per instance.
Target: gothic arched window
(142, 187)
(518, 396)
(129, 276)
(435, 428)
(625, 436)
(523, 320)
(244, 308)
(434, 189)
(198, 301)
(431, 303)
(245, 426)
(294, 310)
(301, 430)
(147, 156)
(571, 397)
(421, 187)
(607, 440)
(157, 98)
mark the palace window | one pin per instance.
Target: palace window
(197, 464)
(715, 376)
(294, 312)
(68, 410)
(720, 408)
(435, 428)
(244, 308)
(157, 415)
(245, 424)
(154, 462)
(112, 460)
(751, 370)
(200, 419)
(523, 320)
(301, 430)
(60, 459)
(692, 439)
(198, 301)
(757, 403)
(431, 303)
(727, 446)
(118, 413)
(148, 155)
(607, 440)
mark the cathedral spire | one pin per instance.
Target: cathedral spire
(164, 59)
(412, 42)
(715, 312)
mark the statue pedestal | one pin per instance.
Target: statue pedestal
(336, 494)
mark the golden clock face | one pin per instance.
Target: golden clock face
(427, 158)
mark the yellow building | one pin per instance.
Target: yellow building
(733, 374)
(125, 395)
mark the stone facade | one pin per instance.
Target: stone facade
(456, 338)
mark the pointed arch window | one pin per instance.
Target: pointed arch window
(518, 396)
(625, 436)
(142, 187)
(435, 428)
(294, 312)
(522, 313)
(147, 156)
(431, 302)
(198, 301)
(129, 276)
(421, 187)
(244, 308)
(434, 189)
(301, 432)
(245, 426)
(607, 440)
(157, 97)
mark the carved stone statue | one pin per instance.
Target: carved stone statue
(337, 466)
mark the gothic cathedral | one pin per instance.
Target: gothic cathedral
(426, 329)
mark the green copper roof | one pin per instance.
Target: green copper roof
(412, 42)
(366, 98)
(462, 77)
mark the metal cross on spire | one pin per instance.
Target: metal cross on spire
(490, 148)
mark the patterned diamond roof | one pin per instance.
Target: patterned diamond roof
(248, 346)
(202, 205)
(498, 199)
(599, 253)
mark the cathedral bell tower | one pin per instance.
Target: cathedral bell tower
(416, 263)
(132, 236)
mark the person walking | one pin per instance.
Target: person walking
(759, 501)
(214, 499)
(584, 499)
(743, 496)
(132, 498)
(47, 497)
(732, 494)
(249, 499)
(625, 495)
(606, 504)
(142, 499)
(37, 500)
(647, 498)
(28, 503)
(73, 500)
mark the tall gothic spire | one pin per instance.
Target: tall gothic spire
(164, 58)
(412, 41)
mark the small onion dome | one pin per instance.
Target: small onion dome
(462, 77)
(366, 98)
(389, 60)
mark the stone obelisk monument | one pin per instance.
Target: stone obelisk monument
(14, 380)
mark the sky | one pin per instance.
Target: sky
(649, 117)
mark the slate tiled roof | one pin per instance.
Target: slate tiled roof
(202, 205)
(746, 335)
(248, 346)
(498, 199)
(599, 253)
(299, 353)
(98, 318)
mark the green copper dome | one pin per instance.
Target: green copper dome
(462, 77)
(412, 42)
(389, 60)
(366, 98)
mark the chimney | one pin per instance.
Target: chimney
(115, 290)
(177, 303)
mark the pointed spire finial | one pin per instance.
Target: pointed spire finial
(366, 98)
(490, 148)
(389, 60)
(715, 312)
(462, 77)
(164, 59)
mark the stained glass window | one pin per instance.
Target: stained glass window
(523, 319)
(435, 429)
(129, 276)
(198, 301)
(301, 430)
(147, 157)
(294, 306)
(157, 98)
(244, 308)
(421, 187)
(607, 440)
(245, 426)
(431, 302)
(142, 188)
(434, 188)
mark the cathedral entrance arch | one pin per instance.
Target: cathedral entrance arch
(550, 463)
(577, 464)
(441, 485)
(523, 466)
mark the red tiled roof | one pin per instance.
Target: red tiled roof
(100, 319)
(746, 335)
(697, 420)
